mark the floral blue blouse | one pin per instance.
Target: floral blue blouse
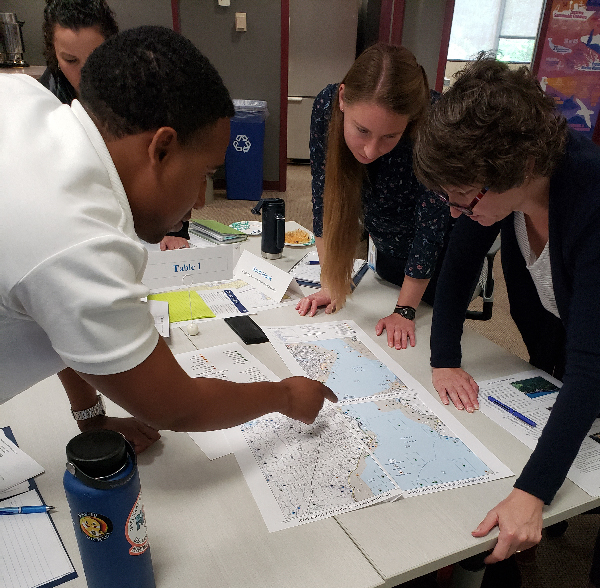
(403, 218)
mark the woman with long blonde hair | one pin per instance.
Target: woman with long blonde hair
(362, 179)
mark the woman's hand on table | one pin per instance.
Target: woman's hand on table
(400, 331)
(457, 385)
(519, 519)
(310, 304)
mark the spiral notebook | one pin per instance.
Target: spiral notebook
(31, 551)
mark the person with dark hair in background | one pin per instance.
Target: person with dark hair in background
(361, 162)
(128, 160)
(501, 155)
(72, 30)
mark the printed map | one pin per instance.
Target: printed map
(316, 470)
(346, 365)
(414, 446)
(385, 439)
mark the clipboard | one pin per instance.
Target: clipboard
(28, 532)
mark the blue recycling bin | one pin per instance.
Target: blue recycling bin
(244, 157)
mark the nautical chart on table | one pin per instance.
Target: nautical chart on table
(385, 439)
(226, 362)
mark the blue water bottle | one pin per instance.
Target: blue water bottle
(103, 490)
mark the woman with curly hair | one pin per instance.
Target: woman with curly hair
(499, 154)
(361, 162)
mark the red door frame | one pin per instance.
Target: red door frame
(175, 16)
(391, 23)
(281, 185)
(444, 43)
(537, 58)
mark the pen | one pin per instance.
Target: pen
(313, 262)
(512, 411)
(11, 510)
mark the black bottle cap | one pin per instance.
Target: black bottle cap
(98, 453)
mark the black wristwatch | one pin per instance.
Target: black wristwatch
(408, 312)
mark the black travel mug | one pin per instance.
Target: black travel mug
(273, 226)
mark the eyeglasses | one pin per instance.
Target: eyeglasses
(468, 210)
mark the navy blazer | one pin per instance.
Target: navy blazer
(574, 241)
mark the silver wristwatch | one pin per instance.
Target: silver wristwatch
(89, 413)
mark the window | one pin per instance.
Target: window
(508, 27)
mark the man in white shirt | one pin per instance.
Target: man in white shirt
(128, 160)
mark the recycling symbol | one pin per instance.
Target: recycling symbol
(242, 143)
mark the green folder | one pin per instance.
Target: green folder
(179, 305)
(217, 227)
(215, 230)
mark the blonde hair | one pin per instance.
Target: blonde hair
(389, 77)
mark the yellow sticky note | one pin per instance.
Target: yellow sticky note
(179, 305)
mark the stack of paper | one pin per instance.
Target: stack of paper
(215, 231)
(16, 467)
(308, 271)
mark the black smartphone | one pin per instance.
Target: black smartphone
(247, 330)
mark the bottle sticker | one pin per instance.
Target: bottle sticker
(94, 526)
(135, 528)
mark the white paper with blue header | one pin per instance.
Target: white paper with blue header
(533, 394)
(264, 276)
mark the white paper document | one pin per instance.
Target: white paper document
(532, 394)
(257, 285)
(15, 467)
(160, 311)
(265, 277)
(227, 362)
(166, 269)
(386, 438)
(31, 552)
(235, 297)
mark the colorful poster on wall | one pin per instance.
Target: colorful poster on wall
(569, 68)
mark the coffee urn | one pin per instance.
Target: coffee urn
(12, 47)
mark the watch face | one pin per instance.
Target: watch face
(406, 312)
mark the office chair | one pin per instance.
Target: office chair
(485, 286)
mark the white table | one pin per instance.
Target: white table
(203, 524)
